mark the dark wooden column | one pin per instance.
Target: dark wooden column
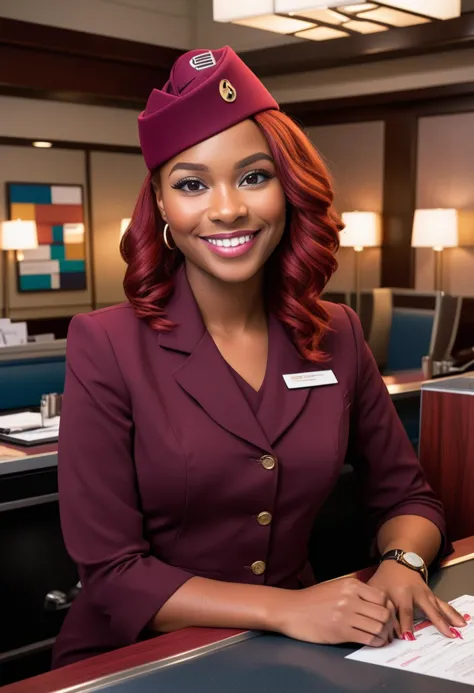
(399, 199)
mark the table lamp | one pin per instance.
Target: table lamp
(436, 229)
(124, 224)
(15, 235)
(362, 230)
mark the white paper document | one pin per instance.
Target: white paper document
(24, 419)
(431, 653)
(26, 426)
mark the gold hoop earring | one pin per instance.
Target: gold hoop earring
(165, 238)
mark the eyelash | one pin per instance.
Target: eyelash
(189, 179)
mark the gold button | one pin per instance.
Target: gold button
(268, 462)
(264, 518)
(258, 568)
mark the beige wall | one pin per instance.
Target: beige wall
(353, 153)
(164, 22)
(43, 120)
(21, 164)
(377, 77)
(446, 179)
(116, 181)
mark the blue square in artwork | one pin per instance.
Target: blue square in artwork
(72, 266)
(57, 252)
(35, 282)
(58, 234)
(30, 194)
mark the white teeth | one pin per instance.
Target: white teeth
(230, 242)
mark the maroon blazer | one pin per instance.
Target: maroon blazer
(162, 467)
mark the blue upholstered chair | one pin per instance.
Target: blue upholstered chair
(29, 371)
(410, 338)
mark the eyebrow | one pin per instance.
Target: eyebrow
(188, 166)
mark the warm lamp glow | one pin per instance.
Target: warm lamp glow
(317, 20)
(18, 235)
(435, 228)
(124, 224)
(362, 230)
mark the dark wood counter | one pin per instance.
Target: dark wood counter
(159, 648)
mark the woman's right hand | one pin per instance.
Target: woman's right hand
(344, 610)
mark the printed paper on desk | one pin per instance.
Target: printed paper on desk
(311, 379)
(431, 653)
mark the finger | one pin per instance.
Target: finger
(405, 615)
(432, 612)
(369, 625)
(372, 594)
(362, 638)
(373, 611)
(393, 613)
(452, 616)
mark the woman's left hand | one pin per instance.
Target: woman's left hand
(407, 590)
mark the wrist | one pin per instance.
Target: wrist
(276, 607)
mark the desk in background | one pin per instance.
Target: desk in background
(205, 660)
(447, 447)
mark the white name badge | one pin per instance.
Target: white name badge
(312, 379)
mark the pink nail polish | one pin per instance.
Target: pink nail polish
(408, 635)
(467, 617)
(456, 633)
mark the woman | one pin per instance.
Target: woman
(206, 420)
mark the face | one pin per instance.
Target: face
(224, 204)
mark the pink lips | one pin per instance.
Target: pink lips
(231, 251)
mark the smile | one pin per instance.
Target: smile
(233, 246)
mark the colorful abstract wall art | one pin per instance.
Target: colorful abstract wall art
(59, 262)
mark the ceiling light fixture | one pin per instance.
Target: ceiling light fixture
(42, 145)
(320, 20)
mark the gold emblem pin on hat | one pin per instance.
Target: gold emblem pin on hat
(227, 91)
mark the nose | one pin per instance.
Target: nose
(226, 205)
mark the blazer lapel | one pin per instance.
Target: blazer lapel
(281, 406)
(205, 375)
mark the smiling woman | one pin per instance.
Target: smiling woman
(222, 394)
(270, 209)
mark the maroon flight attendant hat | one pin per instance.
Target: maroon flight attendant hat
(207, 92)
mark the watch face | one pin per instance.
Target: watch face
(413, 559)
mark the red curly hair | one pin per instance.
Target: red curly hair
(296, 273)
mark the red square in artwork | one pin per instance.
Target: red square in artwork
(45, 234)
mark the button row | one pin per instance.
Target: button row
(264, 518)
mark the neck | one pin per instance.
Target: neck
(228, 307)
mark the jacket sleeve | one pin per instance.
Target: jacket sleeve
(99, 500)
(393, 480)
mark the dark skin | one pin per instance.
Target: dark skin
(224, 184)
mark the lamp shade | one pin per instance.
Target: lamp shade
(362, 230)
(18, 235)
(124, 224)
(435, 228)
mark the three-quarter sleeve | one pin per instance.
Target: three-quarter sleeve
(99, 503)
(392, 478)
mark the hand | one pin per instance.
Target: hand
(344, 610)
(406, 589)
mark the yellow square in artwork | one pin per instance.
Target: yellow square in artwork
(75, 251)
(23, 211)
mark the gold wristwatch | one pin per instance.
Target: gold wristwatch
(409, 560)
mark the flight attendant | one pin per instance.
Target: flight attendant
(206, 420)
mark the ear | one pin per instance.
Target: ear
(159, 198)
